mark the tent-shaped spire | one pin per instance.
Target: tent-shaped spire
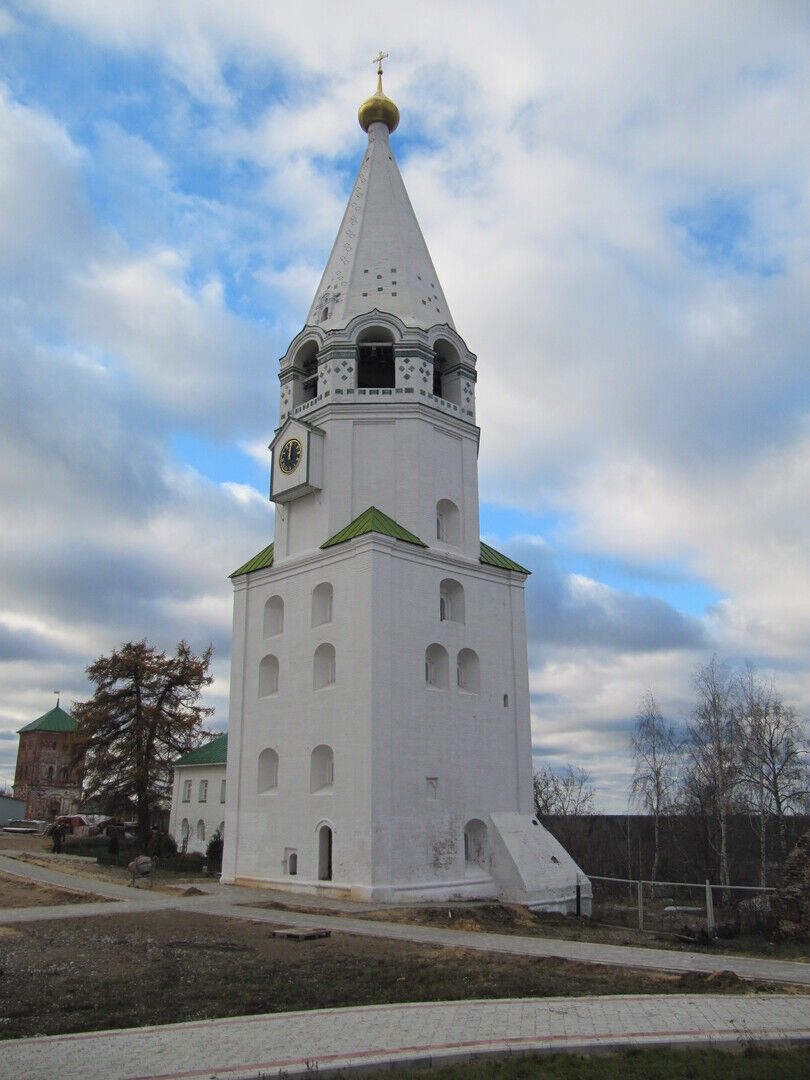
(379, 259)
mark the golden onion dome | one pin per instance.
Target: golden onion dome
(378, 108)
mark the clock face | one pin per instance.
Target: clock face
(290, 456)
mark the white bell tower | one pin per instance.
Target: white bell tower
(379, 741)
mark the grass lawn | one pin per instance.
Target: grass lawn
(657, 1064)
(168, 966)
(115, 875)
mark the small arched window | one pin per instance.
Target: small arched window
(322, 604)
(451, 601)
(321, 769)
(468, 671)
(185, 829)
(268, 771)
(50, 772)
(201, 830)
(323, 667)
(448, 527)
(475, 843)
(437, 667)
(268, 676)
(273, 616)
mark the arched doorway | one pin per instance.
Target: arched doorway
(324, 853)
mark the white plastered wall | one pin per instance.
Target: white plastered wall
(211, 812)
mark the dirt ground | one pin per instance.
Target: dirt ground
(125, 970)
(16, 893)
(166, 881)
(514, 919)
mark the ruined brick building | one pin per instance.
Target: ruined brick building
(46, 778)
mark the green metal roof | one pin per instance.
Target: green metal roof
(214, 752)
(55, 720)
(491, 557)
(373, 521)
(258, 562)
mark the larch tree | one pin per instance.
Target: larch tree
(144, 713)
(655, 754)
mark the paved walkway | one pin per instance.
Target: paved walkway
(233, 902)
(291, 1044)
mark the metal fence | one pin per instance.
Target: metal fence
(680, 908)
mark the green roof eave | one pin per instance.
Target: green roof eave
(258, 562)
(373, 521)
(491, 557)
(54, 720)
(214, 752)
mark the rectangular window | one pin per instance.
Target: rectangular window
(222, 791)
(186, 791)
(203, 790)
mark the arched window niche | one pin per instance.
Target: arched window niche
(273, 616)
(475, 844)
(448, 522)
(375, 359)
(445, 372)
(468, 672)
(268, 676)
(201, 831)
(325, 841)
(322, 604)
(267, 780)
(437, 667)
(451, 601)
(323, 667)
(321, 769)
(305, 385)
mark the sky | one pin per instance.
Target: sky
(616, 200)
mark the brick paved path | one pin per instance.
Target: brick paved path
(295, 1043)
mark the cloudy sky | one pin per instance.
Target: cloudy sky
(617, 201)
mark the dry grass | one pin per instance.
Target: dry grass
(17, 893)
(125, 970)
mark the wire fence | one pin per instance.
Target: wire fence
(680, 908)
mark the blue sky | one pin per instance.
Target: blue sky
(618, 212)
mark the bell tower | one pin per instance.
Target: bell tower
(379, 657)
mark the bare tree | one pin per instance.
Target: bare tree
(786, 764)
(566, 793)
(753, 706)
(655, 753)
(712, 771)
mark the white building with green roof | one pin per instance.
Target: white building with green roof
(198, 795)
(379, 737)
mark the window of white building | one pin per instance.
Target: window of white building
(323, 666)
(222, 791)
(290, 861)
(273, 616)
(468, 671)
(201, 830)
(268, 676)
(322, 769)
(186, 791)
(268, 771)
(451, 601)
(322, 596)
(203, 791)
(448, 529)
(437, 667)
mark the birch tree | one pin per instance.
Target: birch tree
(654, 746)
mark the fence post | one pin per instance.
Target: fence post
(709, 909)
(641, 905)
(579, 897)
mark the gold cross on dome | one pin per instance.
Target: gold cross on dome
(378, 59)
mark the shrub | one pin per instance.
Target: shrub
(213, 853)
(113, 844)
(161, 845)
